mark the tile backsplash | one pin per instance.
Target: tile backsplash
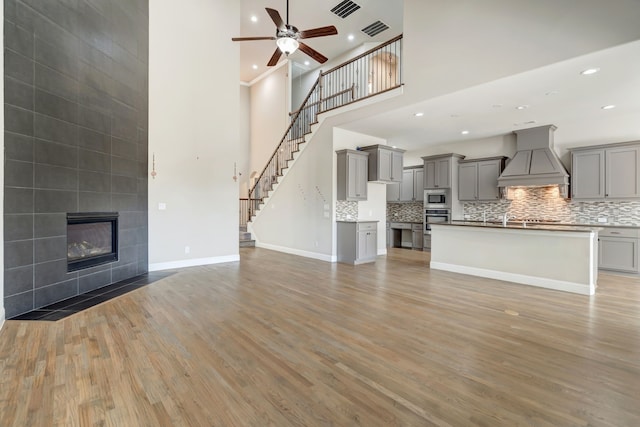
(346, 211)
(405, 212)
(544, 203)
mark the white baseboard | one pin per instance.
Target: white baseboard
(192, 262)
(2, 318)
(382, 251)
(299, 252)
(542, 282)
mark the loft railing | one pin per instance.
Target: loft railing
(370, 73)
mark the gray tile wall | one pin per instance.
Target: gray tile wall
(76, 116)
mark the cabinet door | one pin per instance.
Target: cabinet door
(418, 237)
(384, 165)
(367, 245)
(488, 173)
(372, 244)
(430, 174)
(587, 174)
(619, 254)
(357, 177)
(622, 172)
(418, 185)
(468, 181)
(406, 187)
(397, 165)
(393, 192)
(443, 173)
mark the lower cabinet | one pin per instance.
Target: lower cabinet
(357, 242)
(426, 245)
(618, 249)
(417, 233)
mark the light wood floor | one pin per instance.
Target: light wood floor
(278, 340)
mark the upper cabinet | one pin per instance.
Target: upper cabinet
(411, 189)
(352, 175)
(385, 163)
(606, 172)
(478, 179)
(438, 170)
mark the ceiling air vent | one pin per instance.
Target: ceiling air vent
(345, 8)
(374, 29)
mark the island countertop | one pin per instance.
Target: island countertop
(525, 226)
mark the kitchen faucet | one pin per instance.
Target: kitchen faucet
(505, 219)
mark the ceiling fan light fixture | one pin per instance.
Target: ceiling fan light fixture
(287, 45)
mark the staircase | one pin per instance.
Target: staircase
(245, 238)
(371, 73)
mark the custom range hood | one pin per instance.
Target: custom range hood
(535, 162)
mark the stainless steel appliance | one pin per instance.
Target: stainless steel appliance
(437, 199)
(435, 216)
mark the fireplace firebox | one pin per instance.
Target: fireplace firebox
(92, 239)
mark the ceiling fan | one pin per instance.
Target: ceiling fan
(288, 38)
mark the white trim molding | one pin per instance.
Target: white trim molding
(171, 265)
(299, 252)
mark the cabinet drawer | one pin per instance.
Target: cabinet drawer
(619, 232)
(416, 227)
(365, 226)
(401, 225)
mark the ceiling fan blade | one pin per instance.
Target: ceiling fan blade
(329, 30)
(274, 58)
(245, 39)
(314, 54)
(275, 16)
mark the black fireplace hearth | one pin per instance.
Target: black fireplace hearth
(92, 239)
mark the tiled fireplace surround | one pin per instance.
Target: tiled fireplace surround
(76, 116)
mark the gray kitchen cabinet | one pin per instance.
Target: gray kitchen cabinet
(352, 175)
(426, 242)
(437, 170)
(417, 234)
(357, 242)
(618, 249)
(606, 172)
(385, 163)
(411, 187)
(478, 179)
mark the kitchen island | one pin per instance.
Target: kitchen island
(550, 256)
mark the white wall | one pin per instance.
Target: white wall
(522, 34)
(244, 148)
(193, 132)
(298, 218)
(2, 176)
(501, 145)
(269, 115)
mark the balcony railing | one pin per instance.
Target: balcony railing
(371, 73)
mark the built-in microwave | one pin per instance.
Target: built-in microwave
(436, 199)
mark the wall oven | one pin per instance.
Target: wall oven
(435, 216)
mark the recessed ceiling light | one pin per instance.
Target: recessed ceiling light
(307, 62)
(465, 132)
(418, 114)
(351, 37)
(522, 107)
(393, 146)
(589, 71)
(608, 107)
(255, 67)
(254, 18)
